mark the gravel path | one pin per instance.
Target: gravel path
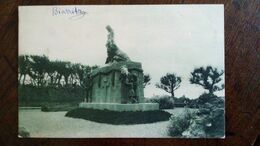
(55, 124)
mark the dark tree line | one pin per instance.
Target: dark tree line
(39, 71)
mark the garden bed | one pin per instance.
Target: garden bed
(117, 118)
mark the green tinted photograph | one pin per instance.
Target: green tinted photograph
(121, 71)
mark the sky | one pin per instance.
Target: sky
(164, 38)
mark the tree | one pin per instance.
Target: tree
(169, 83)
(50, 69)
(67, 71)
(208, 78)
(24, 68)
(38, 69)
(147, 80)
(58, 65)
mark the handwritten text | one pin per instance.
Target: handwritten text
(73, 13)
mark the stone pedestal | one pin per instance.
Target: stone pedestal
(121, 107)
(108, 86)
(117, 86)
(113, 90)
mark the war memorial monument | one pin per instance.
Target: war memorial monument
(118, 86)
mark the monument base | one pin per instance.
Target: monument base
(121, 107)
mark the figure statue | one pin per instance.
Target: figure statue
(132, 92)
(130, 80)
(114, 54)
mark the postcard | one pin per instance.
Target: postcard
(120, 71)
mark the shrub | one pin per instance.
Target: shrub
(211, 111)
(213, 120)
(207, 122)
(35, 96)
(193, 104)
(23, 132)
(165, 102)
(47, 107)
(44, 108)
(178, 124)
(217, 118)
(210, 98)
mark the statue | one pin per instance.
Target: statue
(114, 54)
(130, 80)
(117, 86)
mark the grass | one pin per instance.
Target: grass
(117, 118)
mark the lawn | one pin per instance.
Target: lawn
(55, 124)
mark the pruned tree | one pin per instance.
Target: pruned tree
(208, 78)
(169, 83)
(147, 80)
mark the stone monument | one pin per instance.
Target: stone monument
(118, 86)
